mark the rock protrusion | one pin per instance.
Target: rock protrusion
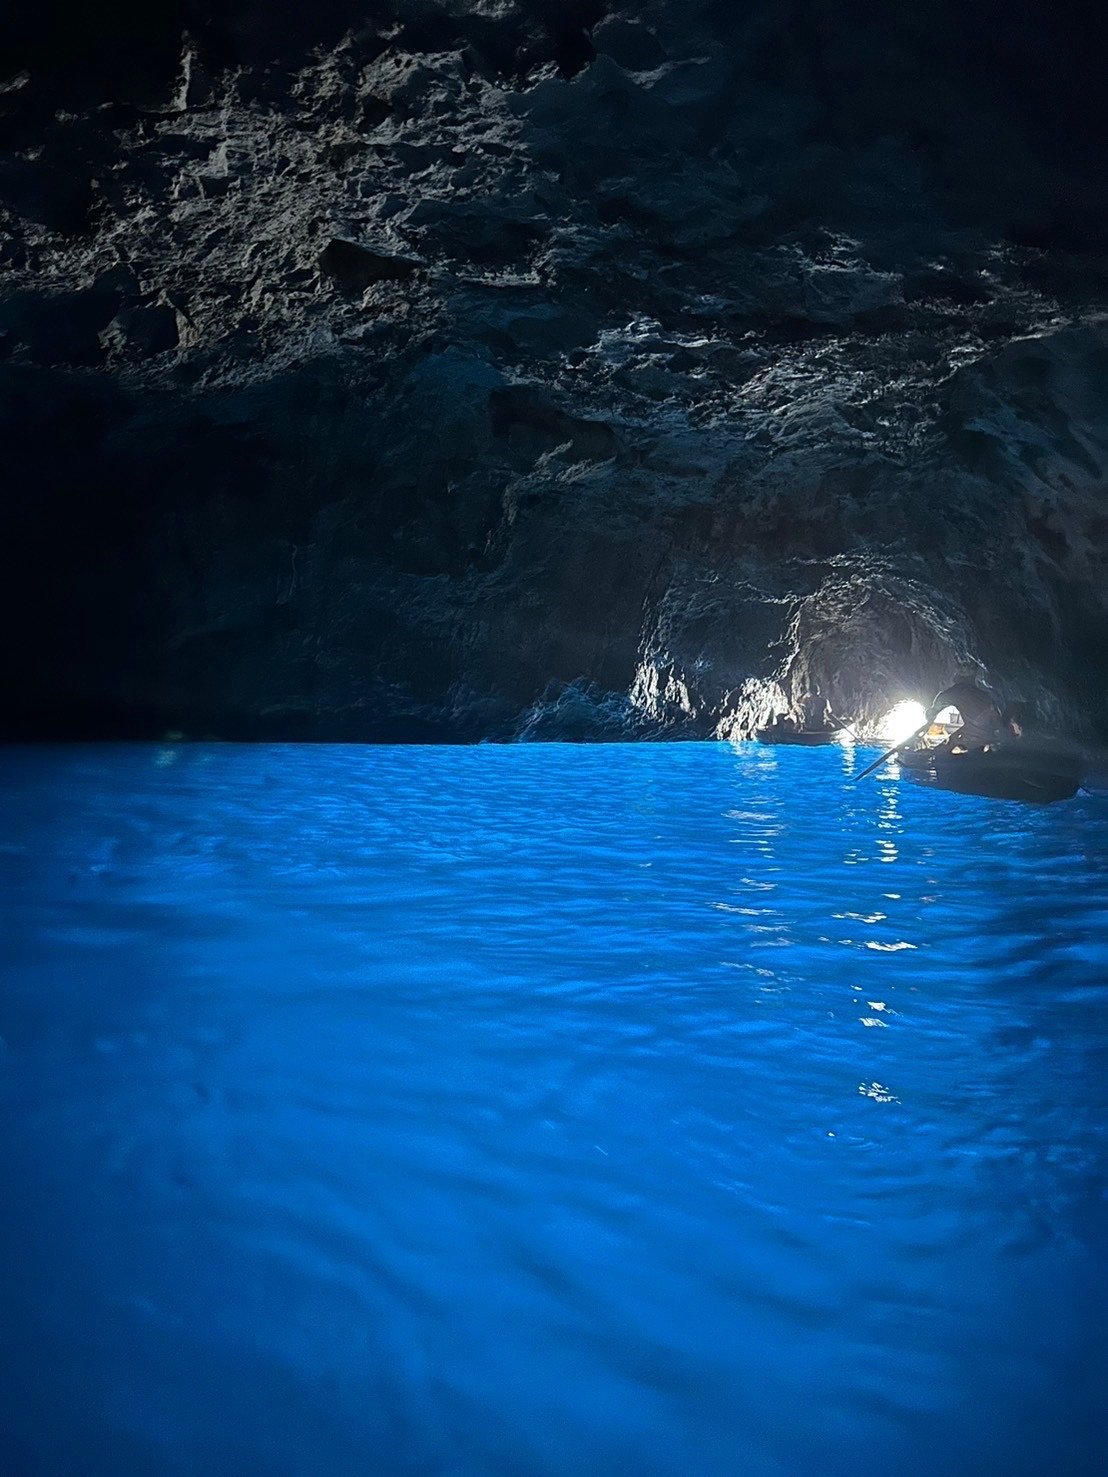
(354, 266)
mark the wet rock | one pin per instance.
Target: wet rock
(837, 293)
(525, 419)
(581, 712)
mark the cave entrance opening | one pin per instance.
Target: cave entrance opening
(901, 721)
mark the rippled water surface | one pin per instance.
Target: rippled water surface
(673, 1109)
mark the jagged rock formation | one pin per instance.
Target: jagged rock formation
(491, 368)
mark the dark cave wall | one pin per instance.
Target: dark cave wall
(548, 370)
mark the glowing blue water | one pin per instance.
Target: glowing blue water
(492, 1112)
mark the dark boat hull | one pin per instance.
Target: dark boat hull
(808, 737)
(1038, 777)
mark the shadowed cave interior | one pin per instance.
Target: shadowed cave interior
(472, 370)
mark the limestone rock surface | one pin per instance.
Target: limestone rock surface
(499, 368)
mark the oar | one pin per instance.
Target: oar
(896, 748)
(841, 727)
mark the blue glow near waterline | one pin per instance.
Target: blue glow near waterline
(669, 1109)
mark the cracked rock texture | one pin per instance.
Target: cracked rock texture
(495, 368)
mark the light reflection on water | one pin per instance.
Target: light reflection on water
(654, 1109)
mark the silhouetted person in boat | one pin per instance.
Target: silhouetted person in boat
(982, 721)
(1017, 722)
(820, 716)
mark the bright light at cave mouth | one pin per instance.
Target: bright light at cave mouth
(901, 721)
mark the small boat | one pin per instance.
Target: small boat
(1020, 771)
(805, 736)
